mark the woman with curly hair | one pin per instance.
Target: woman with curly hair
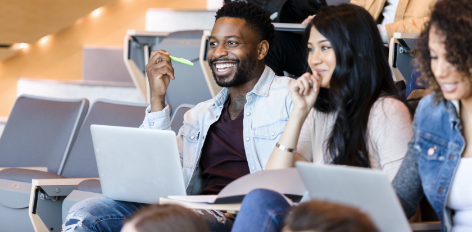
(438, 163)
(347, 112)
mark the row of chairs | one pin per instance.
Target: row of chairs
(48, 138)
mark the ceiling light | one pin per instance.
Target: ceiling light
(97, 12)
(23, 45)
(44, 40)
(19, 46)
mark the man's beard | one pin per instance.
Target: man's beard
(244, 69)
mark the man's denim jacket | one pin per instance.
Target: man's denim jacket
(265, 115)
(432, 158)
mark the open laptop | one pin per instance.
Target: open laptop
(137, 165)
(366, 189)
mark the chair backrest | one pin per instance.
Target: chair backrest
(401, 53)
(177, 120)
(81, 161)
(190, 85)
(40, 132)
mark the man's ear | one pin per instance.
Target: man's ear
(262, 49)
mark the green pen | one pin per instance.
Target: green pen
(181, 60)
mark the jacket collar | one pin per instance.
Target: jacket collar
(261, 88)
(453, 109)
(456, 104)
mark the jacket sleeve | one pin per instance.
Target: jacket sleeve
(407, 182)
(406, 26)
(157, 120)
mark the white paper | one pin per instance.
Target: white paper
(195, 198)
(286, 181)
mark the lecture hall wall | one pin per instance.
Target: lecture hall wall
(59, 56)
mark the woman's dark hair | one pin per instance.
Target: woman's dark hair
(451, 19)
(167, 218)
(328, 217)
(255, 17)
(361, 76)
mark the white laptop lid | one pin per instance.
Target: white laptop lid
(366, 189)
(137, 165)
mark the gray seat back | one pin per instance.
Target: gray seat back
(177, 120)
(190, 85)
(40, 132)
(81, 161)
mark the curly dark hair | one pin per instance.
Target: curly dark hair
(255, 17)
(453, 20)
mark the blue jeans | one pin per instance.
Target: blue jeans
(262, 210)
(101, 214)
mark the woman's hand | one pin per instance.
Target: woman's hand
(304, 92)
(308, 19)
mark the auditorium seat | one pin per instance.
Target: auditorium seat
(177, 120)
(81, 163)
(38, 135)
(190, 85)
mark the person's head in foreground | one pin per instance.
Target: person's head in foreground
(345, 54)
(445, 50)
(165, 218)
(239, 42)
(318, 216)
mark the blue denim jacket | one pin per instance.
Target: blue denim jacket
(266, 113)
(432, 158)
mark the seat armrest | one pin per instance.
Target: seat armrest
(426, 226)
(42, 169)
(49, 182)
(398, 35)
(52, 191)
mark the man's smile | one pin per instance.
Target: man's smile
(224, 68)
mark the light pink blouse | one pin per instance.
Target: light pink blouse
(389, 131)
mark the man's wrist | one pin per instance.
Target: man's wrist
(158, 103)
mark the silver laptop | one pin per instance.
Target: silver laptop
(366, 189)
(137, 165)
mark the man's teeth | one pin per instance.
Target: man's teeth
(222, 66)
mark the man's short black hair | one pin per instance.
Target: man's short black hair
(255, 17)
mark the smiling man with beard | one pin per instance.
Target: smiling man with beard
(224, 138)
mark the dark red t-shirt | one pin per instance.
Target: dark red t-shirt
(223, 156)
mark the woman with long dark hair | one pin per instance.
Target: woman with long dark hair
(357, 118)
(346, 112)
